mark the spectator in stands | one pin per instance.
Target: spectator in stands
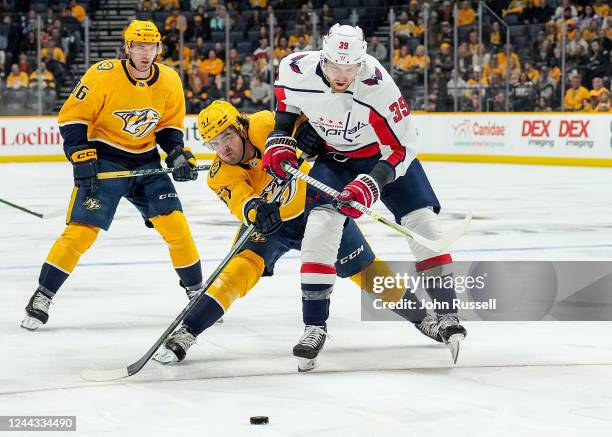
(502, 59)
(456, 86)
(577, 48)
(282, 49)
(71, 34)
(493, 67)
(543, 105)
(327, 16)
(591, 32)
(575, 94)
(168, 5)
(586, 105)
(524, 93)
(495, 36)
(236, 63)
(531, 72)
(464, 58)
(55, 52)
(30, 44)
(515, 73)
(437, 82)
(604, 102)
(147, 6)
(598, 89)
(302, 44)
(513, 11)
(196, 96)
(565, 11)
(445, 35)
(419, 29)
(294, 38)
(419, 61)
(17, 79)
(260, 55)
(598, 63)
(601, 8)
(249, 67)
(171, 39)
(303, 15)
(473, 44)
(201, 23)
(24, 63)
(217, 22)
(587, 16)
(47, 80)
(499, 103)
(217, 89)
(259, 5)
(466, 15)
(200, 50)
(444, 14)
(472, 104)
(537, 12)
(239, 94)
(546, 85)
(377, 50)
(77, 11)
(212, 65)
(261, 93)
(173, 61)
(403, 61)
(403, 27)
(177, 18)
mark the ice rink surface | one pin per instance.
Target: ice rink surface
(514, 379)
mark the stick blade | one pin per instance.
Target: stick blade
(449, 237)
(104, 375)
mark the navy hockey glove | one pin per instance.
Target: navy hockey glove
(265, 217)
(309, 141)
(84, 161)
(182, 161)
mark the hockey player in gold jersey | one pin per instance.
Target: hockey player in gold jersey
(113, 119)
(236, 176)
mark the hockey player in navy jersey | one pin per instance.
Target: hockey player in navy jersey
(361, 129)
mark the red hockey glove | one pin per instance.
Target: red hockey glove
(363, 189)
(279, 147)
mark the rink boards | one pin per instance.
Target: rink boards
(519, 138)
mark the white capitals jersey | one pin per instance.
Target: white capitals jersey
(370, 117)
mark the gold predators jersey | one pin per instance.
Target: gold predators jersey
(236, 184)
(122, 111)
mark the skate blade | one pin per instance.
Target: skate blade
(31, 324)
(454, 344)
(306, 364)
(165, 356)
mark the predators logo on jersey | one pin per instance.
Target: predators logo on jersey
(138, 122)
(287, 195)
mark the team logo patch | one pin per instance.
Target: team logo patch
(214, 169)
(375, 79)
(294, 64)
(91, 204)
(288, 194)
(258, 238)
(106, 65)
(138, 122)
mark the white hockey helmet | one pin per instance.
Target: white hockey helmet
(345, 45)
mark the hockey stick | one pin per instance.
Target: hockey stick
(147, 172)
(123, 372)
(433, 245)
(47, 215)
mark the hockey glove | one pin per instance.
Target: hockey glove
(265, 217)
(182, 161)
(363, 189)
(280, 147)
(309, 141)
(84, 161)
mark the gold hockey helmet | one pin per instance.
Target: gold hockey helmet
(215, 118)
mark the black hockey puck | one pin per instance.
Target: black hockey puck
(259, 420)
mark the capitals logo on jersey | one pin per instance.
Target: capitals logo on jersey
(375, 79)
(294, 63)
(138, 122)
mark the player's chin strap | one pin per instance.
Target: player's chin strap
(433, 245)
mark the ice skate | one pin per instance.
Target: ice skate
(429, 327)
(309, 346)
(175, 347)
(37, 311)
(451, 333)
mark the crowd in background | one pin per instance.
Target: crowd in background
(486, 78)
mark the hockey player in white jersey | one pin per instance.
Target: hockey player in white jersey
(361, 129)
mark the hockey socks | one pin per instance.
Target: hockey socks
(203, 315)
